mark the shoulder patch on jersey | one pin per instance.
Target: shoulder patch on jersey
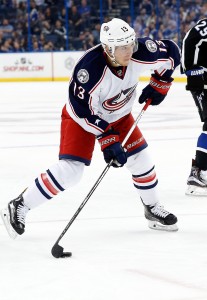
(151, 46)
(83, 75)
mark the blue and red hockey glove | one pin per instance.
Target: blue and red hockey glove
(112, 148)
(156, 90)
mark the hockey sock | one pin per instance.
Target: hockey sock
(56, 179)
(144, 176)
(146, 185)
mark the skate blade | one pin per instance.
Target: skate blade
(193, 190)
(158, 226)
(6, 219)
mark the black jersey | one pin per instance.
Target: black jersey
(194, 47)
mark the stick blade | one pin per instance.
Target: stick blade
(57, 252)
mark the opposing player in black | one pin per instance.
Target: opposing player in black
(194, 65)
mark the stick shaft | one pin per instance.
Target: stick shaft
(102, 174)
(136, 121)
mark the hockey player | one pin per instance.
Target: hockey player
(194, 64)
(102, 91)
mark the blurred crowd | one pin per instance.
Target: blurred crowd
(58, 25)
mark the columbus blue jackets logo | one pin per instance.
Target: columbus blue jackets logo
(83, 75)
(151, 46)
(119, 100)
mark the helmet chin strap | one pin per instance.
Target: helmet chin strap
(113, 60)
(111, 57)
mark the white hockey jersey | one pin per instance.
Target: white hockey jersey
(100, 94)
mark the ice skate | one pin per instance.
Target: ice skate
(197, 182)
(14, 215)
(160, 219)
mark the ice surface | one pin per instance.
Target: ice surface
(115, 254)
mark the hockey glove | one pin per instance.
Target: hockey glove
(195, 80)
(156, 90)
(112, 149)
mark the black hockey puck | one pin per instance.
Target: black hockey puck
(66, 254)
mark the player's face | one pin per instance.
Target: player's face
(123, 54)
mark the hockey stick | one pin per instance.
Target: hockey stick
(57, 250)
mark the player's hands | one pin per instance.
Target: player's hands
(112, 149)
(156, 90)
(195, 81)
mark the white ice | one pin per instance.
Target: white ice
(115, 254)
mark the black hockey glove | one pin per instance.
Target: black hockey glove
(195, 80)
(156, 90)
(112, 149)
